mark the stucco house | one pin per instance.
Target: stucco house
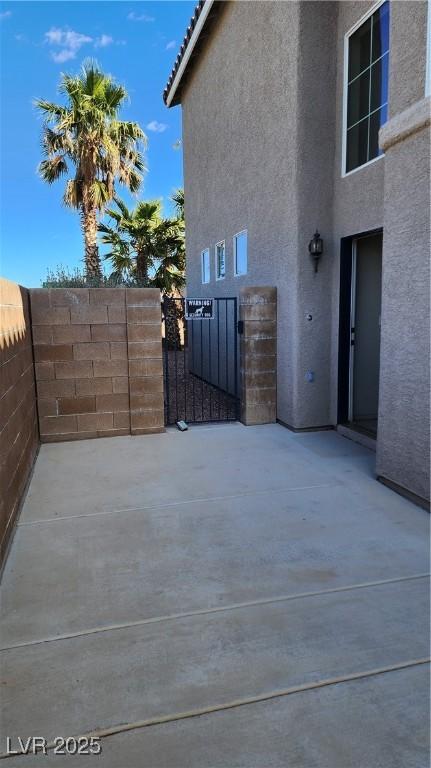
(314, 117)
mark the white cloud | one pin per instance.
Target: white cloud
(68, 41)
(156, 127)
(171, 44)
(132, 16)
(6, 15)
(64, 55)
(103, 41)
(54, 36)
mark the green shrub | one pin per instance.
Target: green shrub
(63, 277)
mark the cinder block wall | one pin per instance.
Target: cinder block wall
(98, 362)
(144, 349)
(19, 437)
(258, 355)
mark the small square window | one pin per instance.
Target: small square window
(205, 265)
(240, 253)
(220, 254)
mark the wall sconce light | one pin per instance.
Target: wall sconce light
(315, 248)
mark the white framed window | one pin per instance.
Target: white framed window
(220, 260)
(240, 253)
(366, 79)
(205, 265)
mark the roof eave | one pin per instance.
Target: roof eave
(172, 96)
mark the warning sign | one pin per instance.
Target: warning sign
(199, 309)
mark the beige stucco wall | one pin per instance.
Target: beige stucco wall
(407, 63)
(254, 127)
(263, 124)
(240, 106)
(359, 197)
(403, 446)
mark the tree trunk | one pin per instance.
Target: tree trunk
(142, 268)
(89, 227)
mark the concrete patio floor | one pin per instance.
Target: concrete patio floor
(218, 569)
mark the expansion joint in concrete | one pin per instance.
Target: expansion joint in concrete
(218, 609)
(104, 733)
(167, 505)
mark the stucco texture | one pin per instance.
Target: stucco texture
(240, 106)
(263, 151)
(407, 61)
(403, 439)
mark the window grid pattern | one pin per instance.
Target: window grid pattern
(367, 88)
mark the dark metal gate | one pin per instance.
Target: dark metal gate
(200, 363)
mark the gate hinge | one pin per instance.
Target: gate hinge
(240, 326)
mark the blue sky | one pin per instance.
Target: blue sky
(137, 43)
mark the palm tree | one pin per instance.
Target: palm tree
(102, 149)
(145, 245)
(178, 201)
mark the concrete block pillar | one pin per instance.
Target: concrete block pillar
(144, 346)
(258, 355)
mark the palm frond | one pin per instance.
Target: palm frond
(178, 201)
(139, 163)
(51, 169)
(130, 179)
(144, 231)
(106, 230)
(123, 130)
(122, 207)
(99, 194)
(49, 110)
(149, 210)
(72, 194)
(115, 215)
(114, 95)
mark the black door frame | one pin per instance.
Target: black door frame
(344, 329)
